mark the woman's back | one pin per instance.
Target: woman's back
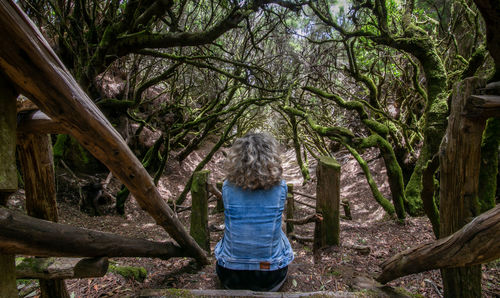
(253, 238)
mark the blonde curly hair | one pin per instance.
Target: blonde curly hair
(254, 162)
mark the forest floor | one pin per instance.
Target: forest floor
(335, 269)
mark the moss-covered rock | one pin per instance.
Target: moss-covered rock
(137, 273)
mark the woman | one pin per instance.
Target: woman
(254, 253)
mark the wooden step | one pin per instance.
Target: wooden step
(236, 293)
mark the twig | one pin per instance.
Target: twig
(434, 286)
(213, 190)
(305, 204)
(301, 238)
(304, 195)
(305, 220)
(180, 209)
(108, 179)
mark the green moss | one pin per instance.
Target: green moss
(330, 161)
(489, 164)
(137, 273)
(376, 126)
(178, 293)
(58, 148)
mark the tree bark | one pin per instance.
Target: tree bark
(475, 243)
(27, 235)
(460, 159)
(30, 63)
(61, 268)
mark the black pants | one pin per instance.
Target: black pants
(254, 280)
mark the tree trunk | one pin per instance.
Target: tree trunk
(460, 160)
(27, 235)
(30, 63)
(8, 176)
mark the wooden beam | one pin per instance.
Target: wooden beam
(61, 268)
(37, 122)
(8, 175)
(22, 234)
(476, 243)
(484, 106)
(235, 293)
(30, 63)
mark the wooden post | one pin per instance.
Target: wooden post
(347, 209)
(219, 207)
(290, 208)
(460, 160)
(199, 209)
(8, 176)
(327, 231)
(37, 165)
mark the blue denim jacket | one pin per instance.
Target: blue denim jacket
(253, 238)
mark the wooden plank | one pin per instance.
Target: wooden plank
(30, 63)
(22, 234)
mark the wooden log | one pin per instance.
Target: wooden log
(8, 176)
(236, 293)
(30, 63)
(37, 122)
(199, 209)
(61, 268)
(476, 243)
(290, 209)
(327, 231)
(483, 106)
(37, 165)
(22, 234)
